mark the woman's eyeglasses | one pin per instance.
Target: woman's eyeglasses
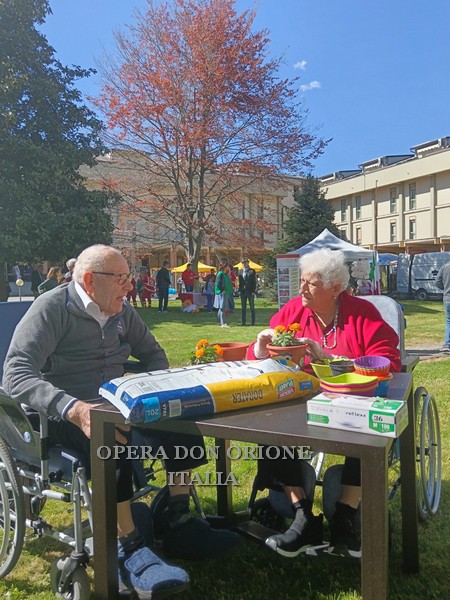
(122, 278)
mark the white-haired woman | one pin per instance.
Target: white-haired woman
(333, 323)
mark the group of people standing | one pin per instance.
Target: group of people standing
(145, 286)
(41, 283)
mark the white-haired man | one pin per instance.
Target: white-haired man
(72, 340)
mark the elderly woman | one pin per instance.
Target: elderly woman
(333, 323)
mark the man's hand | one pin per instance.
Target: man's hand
(80, 415)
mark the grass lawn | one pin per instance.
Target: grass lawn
(252, 572)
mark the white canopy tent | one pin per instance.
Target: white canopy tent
(326, 239)
(288, 264)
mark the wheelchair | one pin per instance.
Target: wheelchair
(274, 510)
(32, 472)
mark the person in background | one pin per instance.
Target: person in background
(209, 289)
(163, 282)
(37, 277)
(54, 277)
(232, 275)
(148, 288)
(132, 294)
(70, 264)
(189, 276)
(247, 289)
(72, 340)
(334, 324)
(223, 290)
(443, 283)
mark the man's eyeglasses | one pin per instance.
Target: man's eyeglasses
(122, 278)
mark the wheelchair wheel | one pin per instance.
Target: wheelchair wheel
(262, 512)
(428, 454)
(12, 511)
(79, 586)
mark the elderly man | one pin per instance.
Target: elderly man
(72, 340)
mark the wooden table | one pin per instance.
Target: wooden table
(282, 424)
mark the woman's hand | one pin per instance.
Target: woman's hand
(264, 337)
(314, 351)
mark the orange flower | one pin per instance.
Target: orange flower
(285, 336)
(279, 329)
(202, 343)
(206, 353)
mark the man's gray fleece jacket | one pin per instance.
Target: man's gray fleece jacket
(58, 352)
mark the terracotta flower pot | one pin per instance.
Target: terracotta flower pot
(295, 353)
(233, 350)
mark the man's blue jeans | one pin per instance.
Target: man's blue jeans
(447, 323)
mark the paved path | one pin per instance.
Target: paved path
(428, 352)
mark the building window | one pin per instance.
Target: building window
(393, 231)
(344, 210)
(412, 229)
(357, 207)
(393, 198)
(358, 236)
(260, 210)
(412, 196)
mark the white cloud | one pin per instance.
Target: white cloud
(301, 64)
(312, 85)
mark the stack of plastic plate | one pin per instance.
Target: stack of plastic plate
(350, 383)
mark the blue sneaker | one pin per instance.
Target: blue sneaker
(151, 578)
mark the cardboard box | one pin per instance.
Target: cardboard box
(379, 416)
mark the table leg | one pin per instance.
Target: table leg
(224, 492)
(408, 492)
(104, 510)
(374, 513)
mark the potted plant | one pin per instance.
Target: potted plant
(285, 343)
(206, 353)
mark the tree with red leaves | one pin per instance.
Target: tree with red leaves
(204, 120)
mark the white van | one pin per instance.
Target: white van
(416, 274)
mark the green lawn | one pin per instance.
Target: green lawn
(252, 571)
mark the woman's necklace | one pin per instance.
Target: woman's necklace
(333, 331)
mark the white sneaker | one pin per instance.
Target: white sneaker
(224, 325)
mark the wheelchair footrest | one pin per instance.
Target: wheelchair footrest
(255, 531)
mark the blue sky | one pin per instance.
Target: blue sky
(373, 75)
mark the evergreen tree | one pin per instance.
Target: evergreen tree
(46, 133)
(309, 216)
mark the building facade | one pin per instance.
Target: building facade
(398, 204)
(248, 221)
